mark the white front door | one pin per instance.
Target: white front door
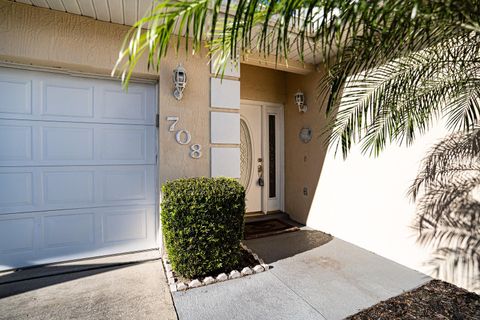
(261, 146)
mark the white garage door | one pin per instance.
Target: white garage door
(77, 168)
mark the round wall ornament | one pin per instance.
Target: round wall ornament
(305, 135)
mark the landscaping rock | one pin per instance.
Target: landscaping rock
(169, 274)
(171, 280)
(209, 280)
(173, 287)
(168, 267)
(181, 286)
(222, 277)
(246, 271)
(258, 268)
(234, 274)
(265, 266)
(195, 283)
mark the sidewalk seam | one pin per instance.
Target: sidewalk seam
(298, 295)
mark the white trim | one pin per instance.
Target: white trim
(158, 226)
(73, 73)
(280, 172)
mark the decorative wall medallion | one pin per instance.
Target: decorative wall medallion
(305, 135)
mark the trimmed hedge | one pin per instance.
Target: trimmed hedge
(202, 222)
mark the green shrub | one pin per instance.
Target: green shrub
(202, 222)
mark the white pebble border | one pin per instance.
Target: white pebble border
(195, 283)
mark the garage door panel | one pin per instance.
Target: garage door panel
(74, 234)
(123, 144)
(17, 235)
(124, 184)
(69, 187)
(27, 189)
(45, 143)
(66, 143)
(119, 105)
(67, 100)
(16, 95)
(16, 142)
(17, 189)
(125, 225)
(66, 230)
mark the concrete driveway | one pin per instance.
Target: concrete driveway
(313, 277)
(131, 286)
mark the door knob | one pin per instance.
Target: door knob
(261, 183)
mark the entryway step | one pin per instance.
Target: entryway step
(262, 216)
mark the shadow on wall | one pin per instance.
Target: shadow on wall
(287, 245)
(447, 190)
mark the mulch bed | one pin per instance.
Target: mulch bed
(266, 228)
(434, 300)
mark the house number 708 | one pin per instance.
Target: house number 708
(184, 137)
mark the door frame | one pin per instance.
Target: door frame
(267, 107)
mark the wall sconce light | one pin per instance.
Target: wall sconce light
(180, 81)
(300, 101)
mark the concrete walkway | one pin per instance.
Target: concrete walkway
(131, 286)
(313, 277)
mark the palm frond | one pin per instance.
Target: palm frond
(396, 101)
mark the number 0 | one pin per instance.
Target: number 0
(183, 136)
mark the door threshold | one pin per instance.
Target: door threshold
(261, 216)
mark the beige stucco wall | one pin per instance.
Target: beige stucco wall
(43, 37)
(262, 84)
(303, 161)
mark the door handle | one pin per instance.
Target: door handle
(261, 182)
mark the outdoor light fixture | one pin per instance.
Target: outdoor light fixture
(300, 101)
(180, 81)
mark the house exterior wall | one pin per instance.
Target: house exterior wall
(48, 38)
(262, 84)
(303, 161)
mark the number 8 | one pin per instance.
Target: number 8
(195, 152)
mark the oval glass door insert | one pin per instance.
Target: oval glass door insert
(246, 156)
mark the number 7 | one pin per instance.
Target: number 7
(172, 126)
